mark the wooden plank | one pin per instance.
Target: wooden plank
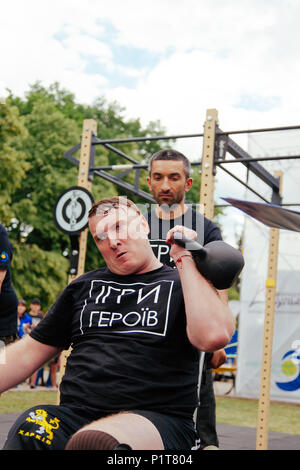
(265, 381)
(89, 128)
(207, 168)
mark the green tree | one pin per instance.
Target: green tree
(52, 124)
(13, 162)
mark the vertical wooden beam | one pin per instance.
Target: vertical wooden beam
(89, 128)
(207, 168)
(207, 186)
(265, 381)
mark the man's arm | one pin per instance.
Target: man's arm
(210, 323)
(21, 359)
(2, 277)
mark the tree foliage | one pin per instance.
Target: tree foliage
(35, 132)
(13, 162)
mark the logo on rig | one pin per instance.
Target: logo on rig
(290, 367)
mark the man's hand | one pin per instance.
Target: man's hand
(210, 323)
(177, 250)
(218, 358)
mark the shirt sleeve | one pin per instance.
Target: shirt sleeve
(55, 328)
(211, 232)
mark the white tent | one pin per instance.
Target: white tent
(285, 375)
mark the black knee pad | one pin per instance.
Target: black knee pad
(94, 440)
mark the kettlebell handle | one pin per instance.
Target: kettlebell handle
(217, 261)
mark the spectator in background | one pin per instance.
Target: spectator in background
(8, 297)
(24, 320)
(53, 368)
(35, 312)
(36, 316)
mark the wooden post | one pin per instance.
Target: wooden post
(265, 381)
(207, 187)
(89, 128)
(207, 176)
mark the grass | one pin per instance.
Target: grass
(284, 417)
(14, 402)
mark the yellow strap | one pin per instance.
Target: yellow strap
(270, 283)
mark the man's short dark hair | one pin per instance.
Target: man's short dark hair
(112, 202)
(170, 154)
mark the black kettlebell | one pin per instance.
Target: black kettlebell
(217, 261)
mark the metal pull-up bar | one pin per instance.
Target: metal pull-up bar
(212, 155)
(221, 143)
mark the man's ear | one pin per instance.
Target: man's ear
(188, 184)
(149, 181)
(145, 224)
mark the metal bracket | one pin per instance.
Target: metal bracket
(74, 240)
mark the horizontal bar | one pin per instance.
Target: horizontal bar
(258, 159)
(184, 136)
(217, 162)
(267, 129)
(119, 167)
(281, 205)
(127, 166)
(97, 141)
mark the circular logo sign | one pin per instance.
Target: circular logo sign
(290, 368)
(72, 208)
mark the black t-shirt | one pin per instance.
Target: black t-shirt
(8, 298)
(206, 230)
(129, 344)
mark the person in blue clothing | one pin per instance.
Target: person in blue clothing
(24, 319)
(8, 297)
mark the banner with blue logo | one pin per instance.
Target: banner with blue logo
(285, 374)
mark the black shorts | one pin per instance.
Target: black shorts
(49, 427)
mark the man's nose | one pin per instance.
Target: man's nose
(113, 241)
(165, 184)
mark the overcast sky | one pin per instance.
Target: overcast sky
(166, 60)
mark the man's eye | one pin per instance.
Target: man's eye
(101, 236)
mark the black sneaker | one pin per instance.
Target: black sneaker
(122, 447)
